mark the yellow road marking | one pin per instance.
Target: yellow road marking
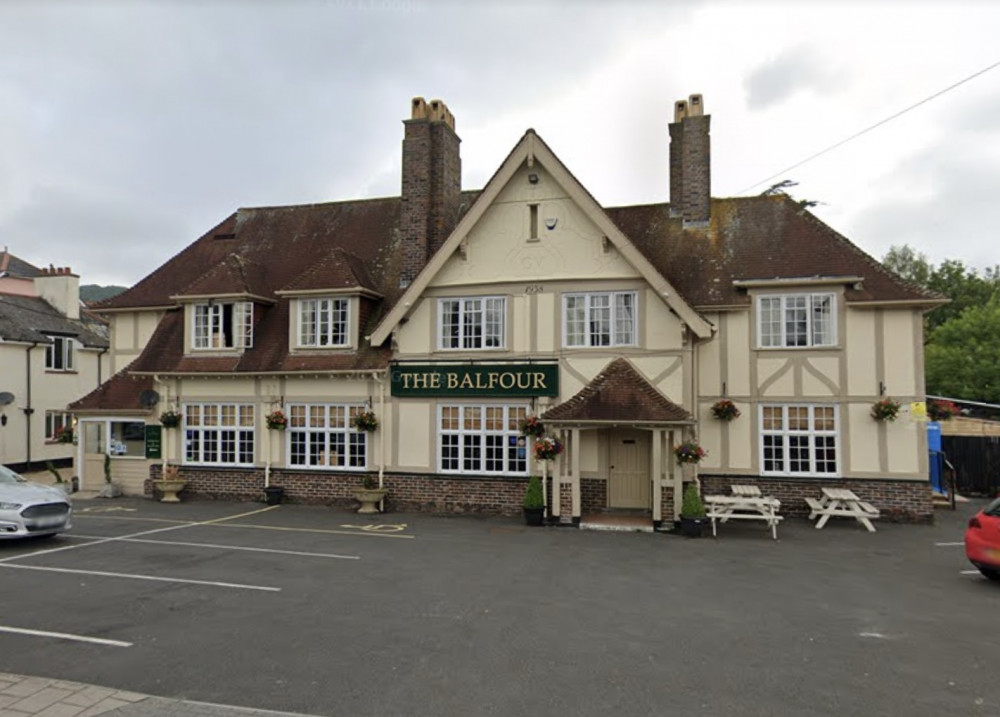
(379, 527)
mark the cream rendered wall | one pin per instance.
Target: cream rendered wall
(861, 342)
(130, 332)
(414, 448)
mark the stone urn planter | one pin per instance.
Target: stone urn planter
(369, 499)
(170, 485)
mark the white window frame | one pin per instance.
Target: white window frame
(210, 319)
(324, 322)
(487, 313)
(810, 440)
(315, 429)
(467, 445)
(59, 355)
(55, 421)
(207, 442)
(620, 330)
(802, 320)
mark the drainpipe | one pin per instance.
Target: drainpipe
(100, 355)
(28, 410)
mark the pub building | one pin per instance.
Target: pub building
(407, 339)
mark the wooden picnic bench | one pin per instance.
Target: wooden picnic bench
(722, 508)
(842, 503)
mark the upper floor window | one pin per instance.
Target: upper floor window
(59, 354)
(223, 325)
(600, 319)
(795, 320)
(323, 322)
(472, 323)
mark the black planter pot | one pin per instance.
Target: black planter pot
(274, 494)
(693, 527)
(534, 516)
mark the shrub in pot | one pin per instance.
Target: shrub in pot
(534, 502)
(693, 514)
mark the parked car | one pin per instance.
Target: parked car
(982, 540)
(28, 508)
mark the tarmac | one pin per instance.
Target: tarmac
(22, 696)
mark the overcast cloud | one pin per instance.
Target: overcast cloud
(129, 128)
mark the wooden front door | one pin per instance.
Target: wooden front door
(94, 447)
(629, 480)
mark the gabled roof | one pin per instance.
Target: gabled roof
(233, 276)
(17, 267)
(529, 150)
(31, 319)
(618, 394)
(339, 270)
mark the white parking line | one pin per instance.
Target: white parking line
(228, 547)
(66, 636)
(138, 576)
(948, 545)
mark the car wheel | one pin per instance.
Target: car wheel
(991, 574)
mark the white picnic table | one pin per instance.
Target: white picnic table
(744, 503)
(843, 503)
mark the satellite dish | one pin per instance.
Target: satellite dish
(149, 398)
(6, 398)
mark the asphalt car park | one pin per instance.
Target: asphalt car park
(316, 610)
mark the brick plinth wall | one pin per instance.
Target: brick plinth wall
(414, 493)
(593, 495)
(898, 501)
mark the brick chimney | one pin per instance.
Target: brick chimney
(59, 286)
(432, 183)
(690, 162)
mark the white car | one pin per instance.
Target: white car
(28, 508)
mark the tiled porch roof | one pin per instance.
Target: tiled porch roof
(618, 394)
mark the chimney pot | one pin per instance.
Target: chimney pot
(680, 110)
(419, 108)
(697, 105)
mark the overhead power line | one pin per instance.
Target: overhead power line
(878, 124)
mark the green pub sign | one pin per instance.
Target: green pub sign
(154, 441)
(496, 380)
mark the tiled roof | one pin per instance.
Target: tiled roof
(18, 267)
(29, 318)
(271, 251)
(762, 237)
(619, 393)
(119, 393)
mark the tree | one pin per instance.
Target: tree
(962, 358)
(909, 264)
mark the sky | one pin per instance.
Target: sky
(128, 128)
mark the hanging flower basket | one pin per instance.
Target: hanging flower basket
(532, 426)
(365, 421)
(276, 420)
(885, 410)
(689, 452)
(170, 419)
(546, 449)
(941, 410)
(725, 410)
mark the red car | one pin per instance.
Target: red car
(982, 540)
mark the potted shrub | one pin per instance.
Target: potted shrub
(170, 419)
(274, 494)
(369, 495)
(693, 518)
(276, 420)
(170, 484)
(65, 435)
(534, 502)
(725, 410)
(885, 410)
(365, 421)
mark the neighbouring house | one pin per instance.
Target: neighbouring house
(50, 355)
(452, 316)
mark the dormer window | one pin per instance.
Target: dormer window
(223, 325)
(324, 322)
